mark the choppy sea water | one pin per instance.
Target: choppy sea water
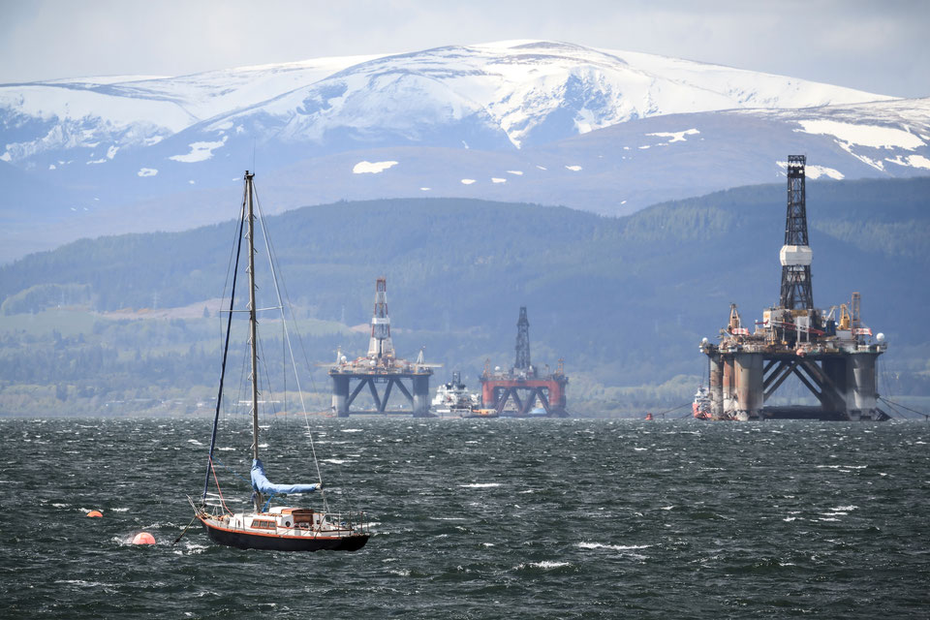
(479, 519)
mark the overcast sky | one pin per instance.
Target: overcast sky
(878, 46)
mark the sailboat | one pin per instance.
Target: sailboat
(278, 528)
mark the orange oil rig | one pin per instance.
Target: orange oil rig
(515, 393)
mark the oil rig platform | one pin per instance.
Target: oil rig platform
(381, 368)
(516, 392)
(834, 357)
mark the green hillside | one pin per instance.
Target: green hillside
(623, 300)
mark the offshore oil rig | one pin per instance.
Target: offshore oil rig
(381, 368)
(834, 357)
(516, 392)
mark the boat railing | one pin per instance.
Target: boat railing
(354, 521)
(328, 521)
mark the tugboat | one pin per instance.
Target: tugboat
(701, 404)
(701, 407)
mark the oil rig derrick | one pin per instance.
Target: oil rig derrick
(834, 358)
(515, 393)
(796, 253)
(381, 367)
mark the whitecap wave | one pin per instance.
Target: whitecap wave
(590, 545)
(545, 564)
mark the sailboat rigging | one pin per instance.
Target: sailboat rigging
(277, 528)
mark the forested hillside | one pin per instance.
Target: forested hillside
(623, 300)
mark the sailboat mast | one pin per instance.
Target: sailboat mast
(253, 329)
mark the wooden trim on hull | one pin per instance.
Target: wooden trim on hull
(245, 540)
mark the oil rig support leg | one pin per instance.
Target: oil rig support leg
(862, 397)
(716, 387)
(421, 396)
(341, 396)
(749, 377)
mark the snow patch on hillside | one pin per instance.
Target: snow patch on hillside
(676, 136)
(372, 167)
(200, 151)
(862, 135)
(815, 172)
(913, 161)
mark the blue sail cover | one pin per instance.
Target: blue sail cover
(261, 483)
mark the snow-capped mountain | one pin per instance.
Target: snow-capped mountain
(524, 93)
(505, 94)
(604, 130)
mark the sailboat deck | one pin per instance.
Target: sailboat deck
(287, 522)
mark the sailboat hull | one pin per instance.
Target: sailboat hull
(280, 542)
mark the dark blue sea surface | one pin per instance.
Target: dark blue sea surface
(478, 519)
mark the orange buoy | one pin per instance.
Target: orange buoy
(143, 538)
(94, 513)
